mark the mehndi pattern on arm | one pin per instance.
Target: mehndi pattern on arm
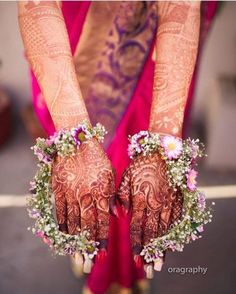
(48, 51)
(176, 52)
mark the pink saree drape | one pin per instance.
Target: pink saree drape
(132, 117)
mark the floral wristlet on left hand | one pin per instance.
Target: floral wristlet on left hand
(180, 157)
(40, 206)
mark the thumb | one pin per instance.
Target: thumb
(124, 191)
(60, 204)
(113, 209)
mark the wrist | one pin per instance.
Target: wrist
(67, 123)
(175, 131)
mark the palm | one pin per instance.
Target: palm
(154, 204)
(83, 185)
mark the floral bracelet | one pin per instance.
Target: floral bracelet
(180, 158)
(40, 203)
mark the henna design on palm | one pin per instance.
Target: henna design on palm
(83, 185)
(155, 206)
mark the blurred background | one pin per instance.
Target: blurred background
(26, 265)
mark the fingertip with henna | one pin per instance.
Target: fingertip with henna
(101, 255)
(158, 263)
(88, 264)
(138, 261)
(63, 228)
(79, 259)
(113, 206)
(148, 268)
(124, 210)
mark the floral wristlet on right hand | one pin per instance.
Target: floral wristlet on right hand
(168, 211)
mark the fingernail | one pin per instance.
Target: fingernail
(79, 259)
(101, 256)
(158, 263)
(124, 210)
(138, 261)
(149, 271)
(88, 265)
(115, 212)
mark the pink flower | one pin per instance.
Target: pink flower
(191, 179)
(194, 237)
(46, 240)
(49, 142)
(172, 146)
(200, 228)
(40, 234)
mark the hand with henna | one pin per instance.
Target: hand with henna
(154, 205)
(83, 185)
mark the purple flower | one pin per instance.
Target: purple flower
(140, 140)
(201, 201)
(69, 249)
(32, 188)
(34, 213)
(51, 140)
(151, 253)
(194, 149)
(171, 245)
(42, 156)
(136, 143)
(79, 135)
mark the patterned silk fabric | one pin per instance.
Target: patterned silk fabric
(115, 42)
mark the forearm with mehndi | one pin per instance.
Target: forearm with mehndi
(176, 52)
(48, 51)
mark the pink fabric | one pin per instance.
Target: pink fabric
(119, 266)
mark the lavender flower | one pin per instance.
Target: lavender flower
(194, 149)
(34, 213)
(201, 201)
(33, 187)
